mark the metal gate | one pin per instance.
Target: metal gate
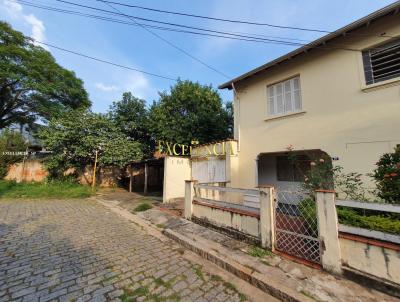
(209, 170)
(296, 226)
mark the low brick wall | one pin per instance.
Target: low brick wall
(34, 170)
(30, 170)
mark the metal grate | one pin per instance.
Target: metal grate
(296, 229)
(382, 63)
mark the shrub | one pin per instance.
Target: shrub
(258, 252)
(349, 184)
(389, 223)
(308, 211)
(143, 207)
(387, 177)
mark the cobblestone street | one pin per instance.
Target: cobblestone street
(77, 250)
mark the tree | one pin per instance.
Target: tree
(189, 111)
(74, 138)
(131, 116)
(32, 84)
(10, 144)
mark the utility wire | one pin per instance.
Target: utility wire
(220, 34)
(214, 18)
(156, 35)
(230, 20)
(173, 45)
(103, 61)
(133, 18)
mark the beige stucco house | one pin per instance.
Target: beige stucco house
(338, 95)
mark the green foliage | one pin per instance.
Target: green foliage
(198, 270)
(308, 211)
(190, 111)
(143, 207)
(131, 116)
(389, 223)
(320, 174)
(32, 84)
(10, 189)
(74, 138)
(349, 184)
(387, 177)
(258, 252)
(10, 142)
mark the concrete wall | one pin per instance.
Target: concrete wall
(30, 170)
(105, 177)
(375, 260)
(341, 115)
(227, 219)
(176, 171)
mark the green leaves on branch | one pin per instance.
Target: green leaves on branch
(32, 84)
(75, 137)
(131, 116)
(190, 111)
(387, 177)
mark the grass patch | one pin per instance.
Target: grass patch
(55, 189)
(230, 286)
(258, 252)
(242, 297)
(307, 294)
(198, 271)
(143, 291)
(160, 225)
(215, 278)
(143, 207)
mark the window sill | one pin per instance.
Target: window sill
(380, 85)
(275, 117)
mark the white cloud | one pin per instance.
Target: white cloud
(15, 11)
(139, 85)
(38, 28)
(106, 88)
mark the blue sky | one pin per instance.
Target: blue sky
(133, 46)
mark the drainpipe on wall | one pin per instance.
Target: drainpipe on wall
(236, 116)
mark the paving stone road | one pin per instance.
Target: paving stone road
(77, 250)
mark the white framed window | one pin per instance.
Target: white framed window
(284, 97)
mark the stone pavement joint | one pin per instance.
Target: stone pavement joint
(78, 250)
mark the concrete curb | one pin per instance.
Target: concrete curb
(135, 219)
(256, 279)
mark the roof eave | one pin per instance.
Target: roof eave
(394, 7)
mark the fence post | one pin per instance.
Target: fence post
(328, 231)
(267, 221)
(189, 194)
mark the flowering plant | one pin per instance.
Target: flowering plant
(387, 177)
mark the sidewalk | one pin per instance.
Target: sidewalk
(282, 278)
